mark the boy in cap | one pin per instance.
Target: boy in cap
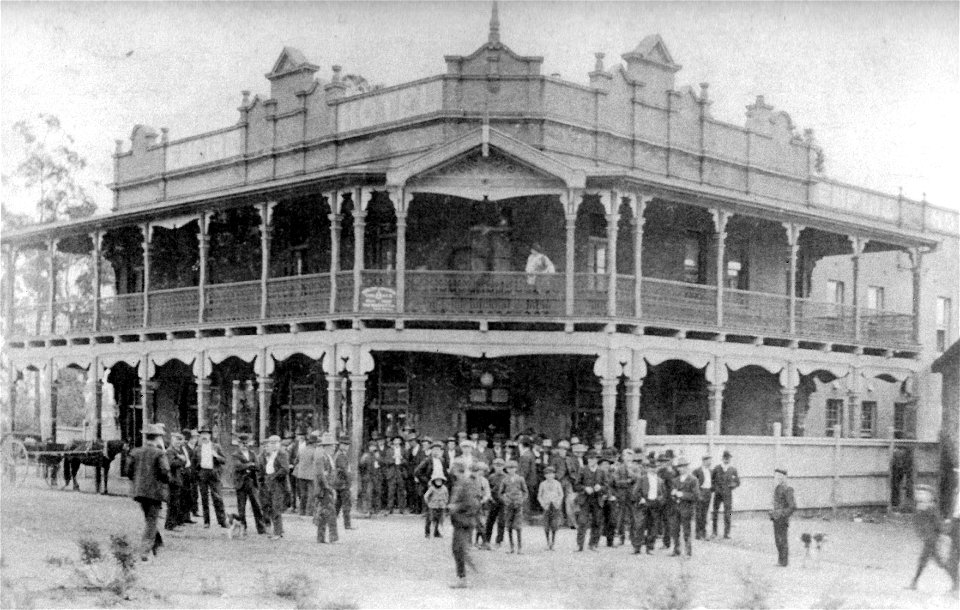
(684, 493)
(550, 497)
(495, 512)
(513, 494)
(435, 499)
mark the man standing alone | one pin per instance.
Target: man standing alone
(725, 479)
(783, 507)
(274, 466)
(150, 471)
(209, 459)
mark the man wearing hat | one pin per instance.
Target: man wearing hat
(590, 487)
(177, 512)
(294, 449)
(246, 476)
(394, 467)
(684, 492)
(369, 471)
(430, 468)
(414, 454)
(783, 506)
(575, 465)
(325, 502)
(648, 497)
(273, 467)
(495, 510)
(668, 514)
(341, 481)
(209, 459)
(704, 475)
(622, 479)
(725, 479)
(148, 467)
(527, 463)
(191, 492)
(305, 472)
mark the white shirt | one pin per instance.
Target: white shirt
(707, 481)
(652, 481)
(186, 456)
(270, 460)
(538, 262)
(206, 456)
(397, 455)
(437, 471)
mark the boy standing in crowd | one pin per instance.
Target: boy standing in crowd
(513, 494)
(495, 513)
(435, 499)
(550, 497)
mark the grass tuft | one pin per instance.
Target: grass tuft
(754, 591)
(672, 593)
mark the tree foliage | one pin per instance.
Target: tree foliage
(48, 170)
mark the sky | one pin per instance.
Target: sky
(878, 82)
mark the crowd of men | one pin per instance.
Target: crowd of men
(186, 475)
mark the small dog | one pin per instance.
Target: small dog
(235, 527)
(812, 545)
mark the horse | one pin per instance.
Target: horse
(99, 454)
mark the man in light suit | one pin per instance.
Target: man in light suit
(273, 468)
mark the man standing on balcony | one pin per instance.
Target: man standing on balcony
(725, 479)
(538, 263)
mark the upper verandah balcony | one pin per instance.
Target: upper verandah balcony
(630, 122)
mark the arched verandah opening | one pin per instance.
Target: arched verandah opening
(674, 399)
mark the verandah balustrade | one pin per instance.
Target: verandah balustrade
(472, 293)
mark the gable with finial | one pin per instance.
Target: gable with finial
(493, 59)
(652, 50)
(291, 60)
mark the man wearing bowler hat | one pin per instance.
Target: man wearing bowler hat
(209, 459)
(394, 469)
(246, 482)
(590, 486)
(147, 465)
(725, 479)
(325, 513)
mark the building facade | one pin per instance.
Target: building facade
(360, 261)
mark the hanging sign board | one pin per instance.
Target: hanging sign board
(378, 298)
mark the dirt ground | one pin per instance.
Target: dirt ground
(387, 562)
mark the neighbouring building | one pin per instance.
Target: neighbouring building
(362, 261)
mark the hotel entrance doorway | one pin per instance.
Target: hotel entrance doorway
(489, 422)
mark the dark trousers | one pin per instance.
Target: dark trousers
(249, 491)
(175, 515)
(590, 518)
(667, 516)
(494, 516)
(781, 537)
(209, 483)
(190, 491)
(345, 505)
(151, 539)
(273, 496)
(367, 499)
(726, 499)
(611, 519)
(460, 547)
(304, 493)
(433, 517)
(703, 507)
(414, 499)
(644, 532)
(326, 520)
(396, 493)
(625, 520)
(681, 518)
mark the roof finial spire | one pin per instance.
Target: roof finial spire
(494, 25)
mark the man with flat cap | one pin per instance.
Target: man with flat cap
(274, 466)
(209, 460)
(725, 479)
(147, 465)
(783, 507)
(246, 482)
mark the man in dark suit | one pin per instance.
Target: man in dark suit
(527, 470)
(684, 492)
(783, 506)
(431, 467)
(648, 497)
(668, 511)
(725, 479)
(394, 467)
(341, 481)
(148, 467)
(325, 511)
(590, 486)
(369, 471)
(209, 459)
(190, 491)
(414, 455)
(246, 482)
(176, 510)
(273, 468)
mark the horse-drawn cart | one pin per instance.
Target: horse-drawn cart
(21, 451)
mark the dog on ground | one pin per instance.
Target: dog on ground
(235, 527)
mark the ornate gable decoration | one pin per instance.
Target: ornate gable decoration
(652, 50)
(494, 58)
(291, 60)
(497, 170)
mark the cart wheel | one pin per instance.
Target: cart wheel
(16, 462)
